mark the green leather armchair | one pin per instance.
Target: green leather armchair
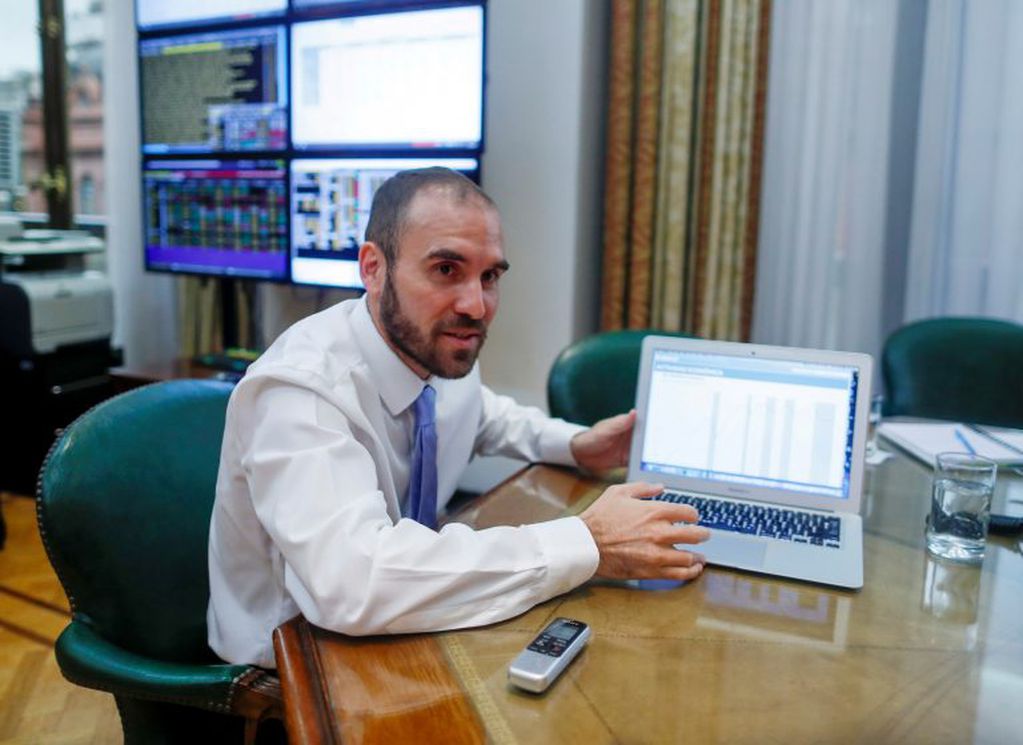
(964, 369)
(595, 377)
(124, 502)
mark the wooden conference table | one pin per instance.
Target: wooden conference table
(926, 652)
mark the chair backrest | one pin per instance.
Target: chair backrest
(596, 377)
(124, 506)
(965, 369)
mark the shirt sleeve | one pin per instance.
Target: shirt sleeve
(524, 432)
(349, 567)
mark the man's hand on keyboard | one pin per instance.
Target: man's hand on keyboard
(636, 537)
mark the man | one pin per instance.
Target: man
(348, 435)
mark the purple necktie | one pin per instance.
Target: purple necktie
(422, 486)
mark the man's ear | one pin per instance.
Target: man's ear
(372, 267)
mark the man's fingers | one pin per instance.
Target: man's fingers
(640, 490)
(686, 534)
(619, 423)
(676, 513)
(673, 557)
(679, 513)
(623, 420)
(683, 573)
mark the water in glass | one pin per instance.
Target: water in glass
(960, 511)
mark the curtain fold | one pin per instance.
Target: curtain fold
(966, 250)
(828, 210)
(682, 176)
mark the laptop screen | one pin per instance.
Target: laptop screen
(759, 422)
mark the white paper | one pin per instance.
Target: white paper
(926, 439)
(1011, 437)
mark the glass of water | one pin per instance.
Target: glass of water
(960, 507)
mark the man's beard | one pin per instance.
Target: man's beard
(422, 349)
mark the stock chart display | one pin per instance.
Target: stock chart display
(217, 217)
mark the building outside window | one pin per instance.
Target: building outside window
(23, 80)
(20, 100)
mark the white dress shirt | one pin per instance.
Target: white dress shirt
(313, 476)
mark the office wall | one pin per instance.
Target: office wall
(545, 109)
(543, 167)
(145, 324)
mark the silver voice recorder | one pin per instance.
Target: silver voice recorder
(539, 664)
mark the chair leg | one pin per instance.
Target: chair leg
(266, 732)
(157, 723)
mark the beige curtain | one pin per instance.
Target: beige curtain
(199, 315)
(682, 176)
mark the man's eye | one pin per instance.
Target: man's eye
(490, 277)
(446, 269)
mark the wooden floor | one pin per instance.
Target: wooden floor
(37, 706)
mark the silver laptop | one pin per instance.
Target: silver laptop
(767, 443)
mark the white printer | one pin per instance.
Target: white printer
(56, 320)
(48, 298)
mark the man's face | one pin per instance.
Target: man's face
(441, 293)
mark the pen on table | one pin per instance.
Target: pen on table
(985, 432)
(965, 443)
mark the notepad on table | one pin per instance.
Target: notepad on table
(924, 440)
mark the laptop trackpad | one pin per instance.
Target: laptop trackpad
(732, 549)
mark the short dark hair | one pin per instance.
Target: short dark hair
(392, 200)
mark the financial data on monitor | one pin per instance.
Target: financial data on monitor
(758, 422)
(330, 204)
(222, 91)
(223, 217)
(392, 81)
(159, 13)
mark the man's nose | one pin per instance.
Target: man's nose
(471, 301)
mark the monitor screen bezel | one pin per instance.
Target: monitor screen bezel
(160, 150)
(289, 153)
(283, 278)
(474, 175)
(862, 363)
(390, 149)
(181, 25)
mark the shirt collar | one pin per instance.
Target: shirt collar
(399, 387)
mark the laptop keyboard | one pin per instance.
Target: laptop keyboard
(762, 520)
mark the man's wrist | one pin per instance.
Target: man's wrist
(571, 553)
(556, 442)
(572, 447)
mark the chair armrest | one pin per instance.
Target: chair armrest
(87, 659)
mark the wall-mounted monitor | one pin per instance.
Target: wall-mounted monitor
(301, 5)
(394, 81)
(330, 203)
(218, 91)
(222, 217)
(267, 125)
(153, 14)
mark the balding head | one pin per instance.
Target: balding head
(392, 202)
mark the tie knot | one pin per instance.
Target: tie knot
(425, 406)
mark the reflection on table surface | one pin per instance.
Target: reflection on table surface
(926, 652)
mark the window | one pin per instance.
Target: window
(21, 144)
(83, 36)
(86, 195)
(51, 114)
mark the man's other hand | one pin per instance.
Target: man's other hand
(606, 444)
(636, 537)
